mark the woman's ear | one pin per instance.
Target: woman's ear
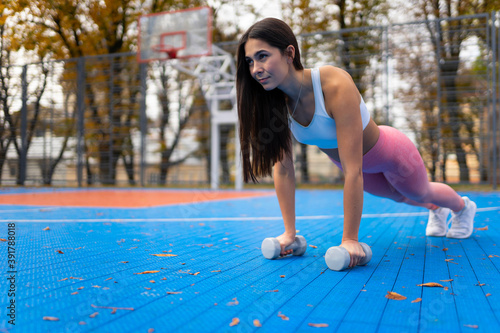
(290, 52)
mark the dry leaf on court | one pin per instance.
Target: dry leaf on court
(488, 295)
(446, 280)
(147, 272)
(45, 229)
(282, 316)
(272, 291)
(483, 228)
(235, 322)
(416, 300)
(430, 284)
(257, 323)
(395, 296)
(151, 330)
(282, 276)
(235, 302)
(448, 260)
(50, 318)
(313, 246)
(59, 251)
(471, 326)
(165, 255)
(3, 240)
(318, 325)
(174, 292)
(94, 315)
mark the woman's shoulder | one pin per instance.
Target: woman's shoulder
(333, 77)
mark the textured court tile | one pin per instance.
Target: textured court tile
(86, 273)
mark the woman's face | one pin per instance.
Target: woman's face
(266, 63)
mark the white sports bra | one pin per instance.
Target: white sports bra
(321, 131)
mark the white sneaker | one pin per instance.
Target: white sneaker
(437, 225)
(462, 223)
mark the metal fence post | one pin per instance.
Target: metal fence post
(439, 139)
(143, 121)
(494, 102)
(80, 100)
(24, 128)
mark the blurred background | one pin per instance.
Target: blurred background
(78, 109)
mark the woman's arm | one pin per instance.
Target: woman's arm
(284, 184)
(342, 101)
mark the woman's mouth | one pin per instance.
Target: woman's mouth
(263, 80)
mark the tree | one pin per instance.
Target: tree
(449, 27)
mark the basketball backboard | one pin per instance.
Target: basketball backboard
(177, 34)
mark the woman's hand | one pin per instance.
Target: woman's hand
(285, 240)
(355, 251)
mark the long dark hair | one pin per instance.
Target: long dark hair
(263, 122)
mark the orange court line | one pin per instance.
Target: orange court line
(123, 199)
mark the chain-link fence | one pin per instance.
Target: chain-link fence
(106, 120)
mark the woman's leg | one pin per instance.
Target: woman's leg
(400, 162)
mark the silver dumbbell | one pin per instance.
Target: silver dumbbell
(271, 247)
(337, 258)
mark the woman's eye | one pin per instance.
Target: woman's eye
(262, 56)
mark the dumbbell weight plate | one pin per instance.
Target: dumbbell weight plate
(368, 254)
(337, 258)
(270, 248)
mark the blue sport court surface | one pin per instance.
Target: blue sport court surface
(97, 262)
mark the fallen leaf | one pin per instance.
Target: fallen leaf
(108, 279)
(234, 322)
(488, 295)
(445, 288)
(147, 272)
(151, 330)
(313, 246)
(45, 229)
(430, 284)
(124, 262)
(235, 302)
(165, 255)
(152, 281)
(59, 251)
(82, 323)
(318, 325)
(480, 284)
(282, 316)
(445, 249)
(272, 291)
(111, 307)
(471, 326)
(216, 271)
(448, 260)
(174, 292)
(76, 292)
(483, 228)
(395, 296)
(62, 280)
(282, 276)
(94, 315)
(446, 280)
(51, 318)
(3, 240)
(416, 300)
(194, 273)
(257, 323)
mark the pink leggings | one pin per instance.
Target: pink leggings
(394, 169)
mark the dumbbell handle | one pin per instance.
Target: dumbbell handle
(292, 246)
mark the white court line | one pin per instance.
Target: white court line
(229, 219)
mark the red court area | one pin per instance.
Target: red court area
(122, 198)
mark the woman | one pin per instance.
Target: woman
(322, 106)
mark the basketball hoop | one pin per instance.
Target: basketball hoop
(178, 34)
(169, 50)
